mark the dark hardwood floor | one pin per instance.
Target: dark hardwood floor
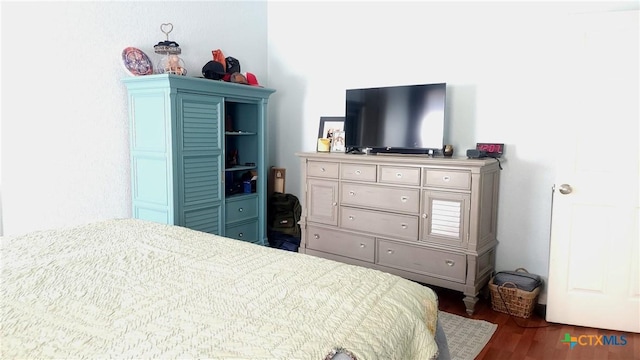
(534, 338)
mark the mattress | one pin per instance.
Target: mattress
(129, 288)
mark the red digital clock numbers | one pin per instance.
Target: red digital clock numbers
(491, 148)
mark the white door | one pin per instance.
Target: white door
(594, 278)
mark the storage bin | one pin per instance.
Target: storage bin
(508, 298)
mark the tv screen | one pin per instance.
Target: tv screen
(395, 119)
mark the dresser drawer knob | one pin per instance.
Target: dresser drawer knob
(424, 216)
(240, 210)
(404, 226)
(352, 193)
(358, 172)
(398, 175)
(450, 262)
(404, 198)
(362, 245)
(322, 169)
(351, 217)
(316, 236)
(334, 204)
(240, 234)
(446, 178)
(390, 251)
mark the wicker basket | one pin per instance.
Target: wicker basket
(507, 298)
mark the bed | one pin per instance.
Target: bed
(127, 288)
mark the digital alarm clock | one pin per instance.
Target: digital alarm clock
(494, 150)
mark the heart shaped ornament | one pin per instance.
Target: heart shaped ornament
(166, 29)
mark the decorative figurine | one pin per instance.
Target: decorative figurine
(170, 63)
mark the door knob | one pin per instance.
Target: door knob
(565, 189)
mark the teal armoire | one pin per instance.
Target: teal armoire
(198, 154)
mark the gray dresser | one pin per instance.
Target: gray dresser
(431, 220)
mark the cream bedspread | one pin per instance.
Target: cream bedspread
(133, 289)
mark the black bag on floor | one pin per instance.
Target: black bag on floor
(283, 214)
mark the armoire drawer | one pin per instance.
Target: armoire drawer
(247, 231)
(427, 261)
(323, 169)
(381, 197)
(359, 172)
(341, 243)
(400, 175)
(397, 226)
(450, 179)
(242, 209)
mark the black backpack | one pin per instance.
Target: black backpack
(283, 214)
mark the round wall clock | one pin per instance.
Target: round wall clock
(136, 62)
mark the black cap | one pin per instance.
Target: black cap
(213, 70)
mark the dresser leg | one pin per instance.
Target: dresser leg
(470, 303)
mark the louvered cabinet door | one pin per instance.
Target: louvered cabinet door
(199, 162)
(445, 218)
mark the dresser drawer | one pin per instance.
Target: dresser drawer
(338, 242)
(381, 197)
(436, 263)
(399, 175)
(323, 169)
(247, 231)
(383, 223)
(450, 179)
(359, 172)
(242, 209)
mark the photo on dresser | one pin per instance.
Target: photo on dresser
(337, 141)
(329, 125)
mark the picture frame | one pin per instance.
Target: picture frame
(338, 141)
(329, 124)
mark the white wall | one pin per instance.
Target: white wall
(504, 65)
(65, 138)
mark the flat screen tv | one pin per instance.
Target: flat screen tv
(406, 119)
